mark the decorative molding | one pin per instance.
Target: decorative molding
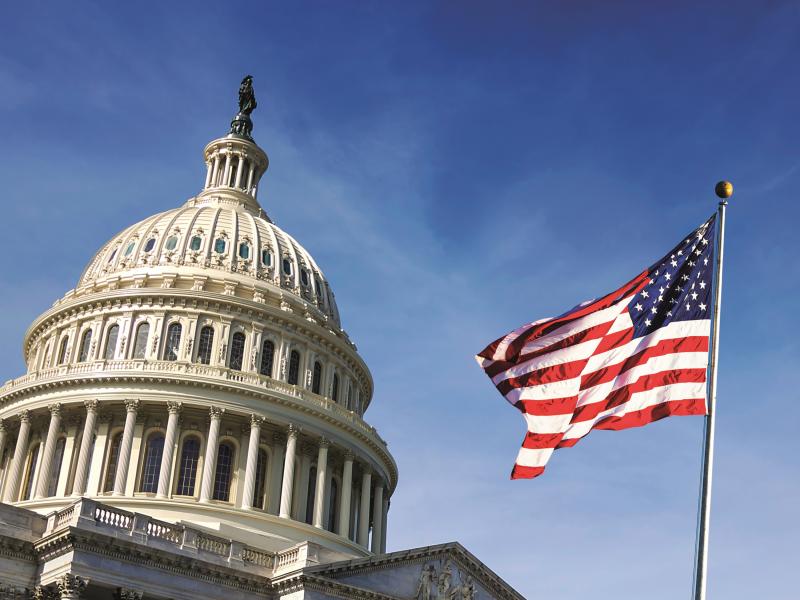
(132, 405)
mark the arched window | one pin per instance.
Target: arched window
(261, 478)
(316, 380)
(173, 341)
(237, 351)
(111, 462)
(222, 477)
(333, 505)
(304, 277)
(140, 343)
(244, 250)
(219, 245)
(266, 257)
(55, 470)
(111, 342)
(152, 463)
(62, 350)
(287, 266)
(294, 367)
(205, 344)
(350, 396)
(335, 390)
(187, 474)
(267, 355)
(86, 345)
(318, 287)
(312, 494)
(33, 460)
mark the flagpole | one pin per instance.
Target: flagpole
(724, 190)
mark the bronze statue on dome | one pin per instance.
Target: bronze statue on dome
(247, 97)
(241, 124)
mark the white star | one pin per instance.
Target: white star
(688, 306)
(702, 306)
(698, 252)
(680, 252)
(694, 295)
(660, 297)
(645, 294)
(684, 278)
(691, 263)
(647, 322)
(638, 307)
(661, 289)
(702, 285)
(705, 242)
(667, 276)
(674, 263)
(653, 310)
(692, 286)
(705, 261)
(669, 314)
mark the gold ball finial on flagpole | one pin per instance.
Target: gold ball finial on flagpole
(724, 190)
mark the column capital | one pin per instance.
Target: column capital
(91, 405)
(256, 421)
(174, 408)
(293, 431)
(126, 594)
(132, 405)
(349, 455)
(2, 425)
(70, 585)
(55, 409)
(215, 412)
(25, 416)
(324, 442)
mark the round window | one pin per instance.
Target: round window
(149, 244)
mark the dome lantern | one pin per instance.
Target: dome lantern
(235, 163)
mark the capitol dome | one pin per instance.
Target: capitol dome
(198, 374)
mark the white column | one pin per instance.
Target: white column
(82, 470)
(239, 169)
(377, 518)
(322, 476)
(20, 452)
(121, 476)
(46, 460)
(250, 173)
(174, 409)
(252, 461)
(384, 522)
(347, 490)
(210, 462)
(227, 172)
(209, 168)
(288, 472)
(276, 472)
(363, 517)
(215, 171)
(3, 434)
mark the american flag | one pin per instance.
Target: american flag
(632, 357)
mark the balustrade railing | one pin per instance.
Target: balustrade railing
(113, 516)
(215, 545)
(165, 531)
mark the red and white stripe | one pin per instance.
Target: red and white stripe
(584, 370)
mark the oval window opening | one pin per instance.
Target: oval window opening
(219, 246)
(244, 251)
(149, 245)
(171, 243)
(287, 266)
(130, 248)
(266, 258)
(195, 243)
(113, 254)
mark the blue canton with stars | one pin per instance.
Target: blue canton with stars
(680, 284)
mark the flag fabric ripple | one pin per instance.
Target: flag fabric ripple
(632, 357)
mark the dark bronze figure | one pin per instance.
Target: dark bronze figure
(241, 124)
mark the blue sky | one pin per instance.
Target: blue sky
(458, 169)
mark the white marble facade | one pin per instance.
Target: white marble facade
(191, 425)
